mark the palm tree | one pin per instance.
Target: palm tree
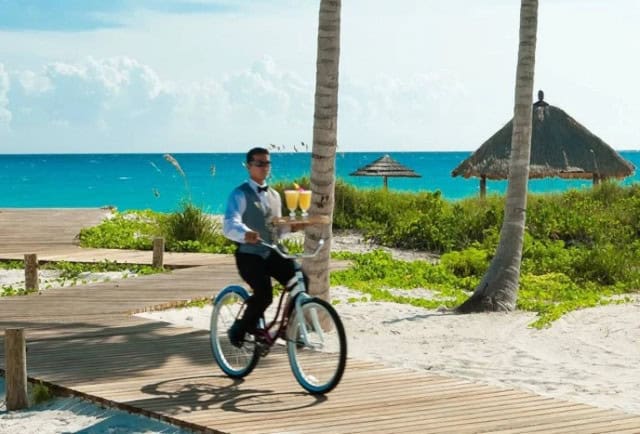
(325, 128)
(498, 289)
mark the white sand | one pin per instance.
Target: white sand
(71, 415)
(589, 356)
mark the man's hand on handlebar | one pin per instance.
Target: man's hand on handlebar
(252, 237)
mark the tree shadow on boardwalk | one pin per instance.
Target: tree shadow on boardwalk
(82, 352)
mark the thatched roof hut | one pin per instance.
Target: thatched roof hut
(560, 147)
(385, 167)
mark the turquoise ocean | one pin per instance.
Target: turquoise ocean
(148, 181)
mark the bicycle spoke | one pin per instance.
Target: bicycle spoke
(235, 362)
(316, 346)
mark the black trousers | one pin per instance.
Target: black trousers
(257, 272)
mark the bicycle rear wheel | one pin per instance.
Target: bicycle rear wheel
(317, 346)
(235, 362)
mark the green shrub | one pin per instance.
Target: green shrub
(395, 219)
(546, 256)
(9, 290)
(188, 229)
(605, 264)
(192, 230)
(554, 294)
(466, 263)
(11, 265)
(190, 223)
(580, 246)
(375, 272)
(470, 219)
(127, 230)
(40, 393)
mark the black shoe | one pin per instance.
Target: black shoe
(236, 334)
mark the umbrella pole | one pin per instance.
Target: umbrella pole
(386, 185)
(483, 187)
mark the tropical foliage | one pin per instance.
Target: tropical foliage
(581, 247)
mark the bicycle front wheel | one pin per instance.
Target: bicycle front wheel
(316, 345)
(235, 362)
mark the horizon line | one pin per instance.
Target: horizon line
(244, 152)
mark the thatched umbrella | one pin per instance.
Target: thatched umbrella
(385, 167)
(560, 147)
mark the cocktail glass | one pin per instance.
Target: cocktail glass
(305, 202)
(291, 199)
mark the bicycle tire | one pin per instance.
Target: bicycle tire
(235, 362)
(319, 362)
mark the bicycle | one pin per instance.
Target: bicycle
(311, 328)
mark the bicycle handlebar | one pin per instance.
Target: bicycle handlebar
(296, 256)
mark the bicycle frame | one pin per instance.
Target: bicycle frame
(296, 295)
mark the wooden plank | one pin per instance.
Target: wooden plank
(387, 414)
(605, 422)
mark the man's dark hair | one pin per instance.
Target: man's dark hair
(256, 151)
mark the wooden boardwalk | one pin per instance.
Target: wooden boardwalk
(83, 339)
(51, 233)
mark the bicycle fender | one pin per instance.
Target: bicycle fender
(232, 288)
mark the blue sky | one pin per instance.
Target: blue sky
(213, 76)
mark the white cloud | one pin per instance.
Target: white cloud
(259, 105)
(95, 104)
(5, 114)
(105, 102)
(85, 93)
(415, 112)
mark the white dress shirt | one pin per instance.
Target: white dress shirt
(233, 227)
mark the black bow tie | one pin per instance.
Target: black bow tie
(263, 189)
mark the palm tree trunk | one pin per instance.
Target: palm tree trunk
(498, 290)
(325, 131)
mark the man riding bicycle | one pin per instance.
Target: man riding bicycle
(247, 221)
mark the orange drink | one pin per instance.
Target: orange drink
(305, 201)
(291, 199)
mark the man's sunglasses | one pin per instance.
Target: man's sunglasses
(259, 163)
